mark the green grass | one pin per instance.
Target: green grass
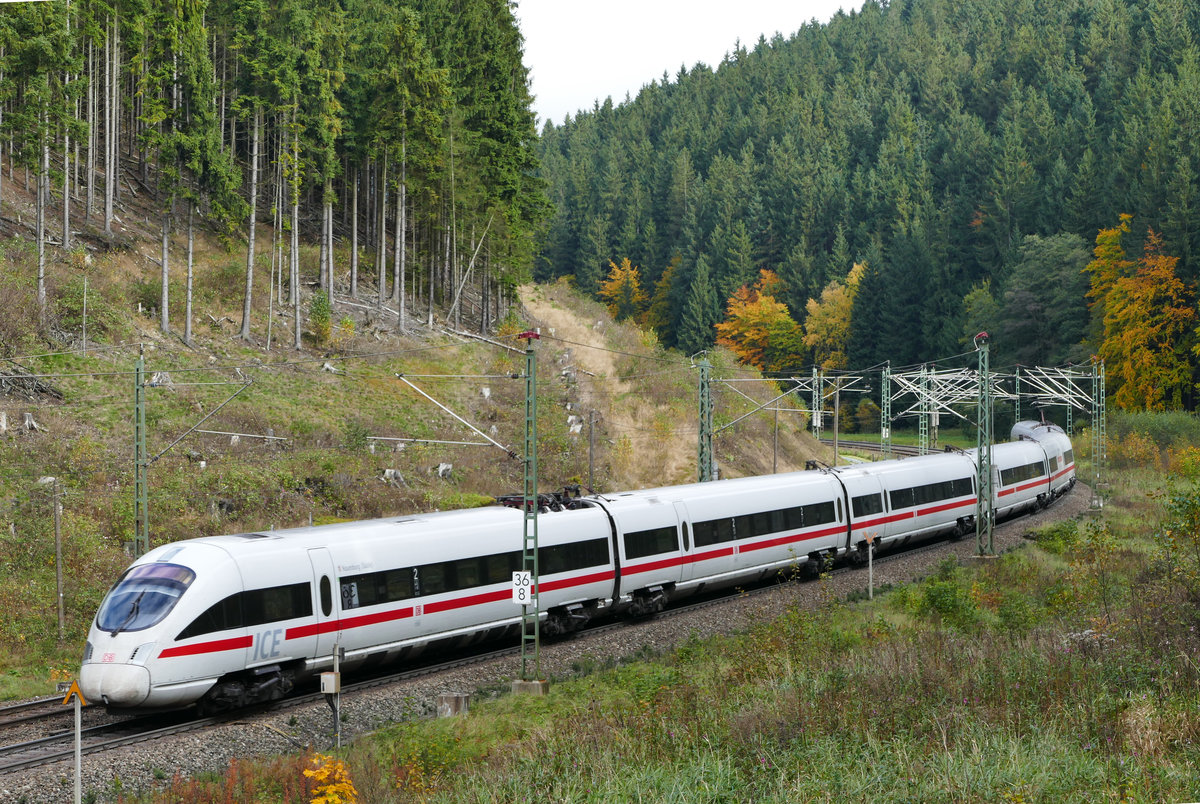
(1059, 672)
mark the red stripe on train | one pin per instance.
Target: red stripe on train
(215, 646)
(1041, 481)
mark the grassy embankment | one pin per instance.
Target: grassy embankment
(1066, 671)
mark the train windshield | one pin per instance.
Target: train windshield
(143, 596)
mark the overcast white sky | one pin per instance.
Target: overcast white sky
(579, 51)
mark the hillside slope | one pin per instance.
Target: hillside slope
(353, 440)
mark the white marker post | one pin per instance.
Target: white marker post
(870, 566)
(73, 692)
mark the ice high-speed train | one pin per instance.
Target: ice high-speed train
(226, 621)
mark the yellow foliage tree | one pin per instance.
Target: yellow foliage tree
(759, 329)
(331, 781)
(622, 291)
(1147, 316)
(827, 328)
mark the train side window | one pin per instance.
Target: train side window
(839, 509)
(499, 567)
(222, 616)
(277, 603)
(713, 531)
(684, 529)
(764, 523)
(641, 543)
(326, 596)
(398, 585)
(743, 526)
(467, 570)
(793, 518)
(1069, 456)
(866, 504)
(821, 513)
(433, 579)
(578, 555)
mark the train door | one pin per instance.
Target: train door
(325, 610)
(686, 568)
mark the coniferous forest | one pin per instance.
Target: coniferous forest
(1026, 167)
(399, 131)
(881, 187)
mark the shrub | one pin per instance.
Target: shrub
(1184, 463)
(949, 602)
(104, 318)
(1163, 428)
(354, 435)
(1178, 542)
(867, 416)
(1134, 449)
(1059, 538)
(320, 317)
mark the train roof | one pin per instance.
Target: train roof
(710, 488)
(313, 536)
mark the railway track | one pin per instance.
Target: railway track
(32, 711)
(899, 450)
(108, 732)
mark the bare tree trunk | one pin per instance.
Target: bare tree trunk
(328, 224)
(92, 129)
(164, 314)
(381, 232)
(66, 203)
(43, 180)
(187, 313)
(401, 226)
(354, 237)
(116, 113)
(1, 129)
(295, 191)
(110, 147)
(245, 333)
(275, 262)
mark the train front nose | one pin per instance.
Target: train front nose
(119, 685)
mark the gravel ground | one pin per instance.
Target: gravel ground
(282, 732)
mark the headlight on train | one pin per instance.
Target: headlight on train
(87, 651)
(142, 654)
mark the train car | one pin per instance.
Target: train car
(1059, 452)
(1020, 477)
(678, 540)
(922, 496)
(230, 620)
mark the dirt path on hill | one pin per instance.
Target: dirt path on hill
(654, 461)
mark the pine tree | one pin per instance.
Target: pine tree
(700, 313)
(622, 290)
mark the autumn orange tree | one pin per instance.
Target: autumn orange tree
(827, 327)
(657, 315)
(1147, 317)
(759, 329)
(622, 290)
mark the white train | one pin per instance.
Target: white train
(226, 621)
